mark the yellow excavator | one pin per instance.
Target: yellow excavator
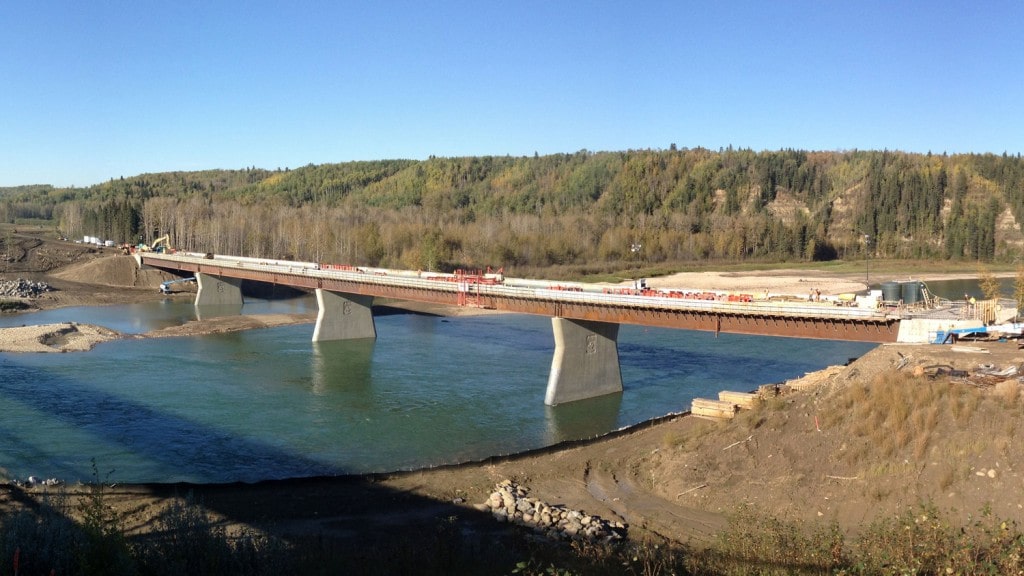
(158, 245)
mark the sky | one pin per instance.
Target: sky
(91, 91)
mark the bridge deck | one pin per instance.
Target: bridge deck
(564, 300)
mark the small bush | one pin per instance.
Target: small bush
(45, 538)
(923, 542)
(188, 541)
(755, 543)
(12, 305)
(103, 548)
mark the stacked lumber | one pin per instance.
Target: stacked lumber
(712, 408)
(815, 379)
(726, 406)
(742, 400)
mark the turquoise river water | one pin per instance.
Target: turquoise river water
(270, 403)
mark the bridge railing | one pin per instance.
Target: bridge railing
(709, 306)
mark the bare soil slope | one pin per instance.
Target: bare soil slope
(80, 274)
(113, 270)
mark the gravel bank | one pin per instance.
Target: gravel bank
(64, 337)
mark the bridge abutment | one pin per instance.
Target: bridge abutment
(218, 290)
(343, 316)
(586, 361)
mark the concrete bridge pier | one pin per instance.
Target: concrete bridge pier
(218, 290)
(343, 316)
(586, 361)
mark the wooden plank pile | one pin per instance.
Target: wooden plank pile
(708, 408)
(726, 406)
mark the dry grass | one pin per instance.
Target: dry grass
(750, 420)
(948, 477)
(689, 439)
(962, 404)
(896, 414)
(1009, 392)
(917, 425)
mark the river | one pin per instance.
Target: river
(270, 403)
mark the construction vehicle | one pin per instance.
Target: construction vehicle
(165, 287)
(155, 246)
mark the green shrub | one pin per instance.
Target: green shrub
(103, 548)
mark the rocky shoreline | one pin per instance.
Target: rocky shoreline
(509, 503)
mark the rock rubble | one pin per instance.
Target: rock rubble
(22, 288)
(509, 503)
(34, 481)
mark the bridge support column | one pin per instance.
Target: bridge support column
(218, 290)
(586, 361)
(343, 316)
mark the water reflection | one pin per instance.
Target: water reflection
(211, 311)
(342, 364)
(125, 318)
(582, 419)
(957, 289)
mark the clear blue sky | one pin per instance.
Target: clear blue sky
(100, 89)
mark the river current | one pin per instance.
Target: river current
(270, 403)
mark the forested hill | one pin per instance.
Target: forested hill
(592, 208)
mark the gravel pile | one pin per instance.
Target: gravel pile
(22, 288)
(509, 503)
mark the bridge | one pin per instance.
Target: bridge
(585, 318)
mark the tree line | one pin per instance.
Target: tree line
(581, 209)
